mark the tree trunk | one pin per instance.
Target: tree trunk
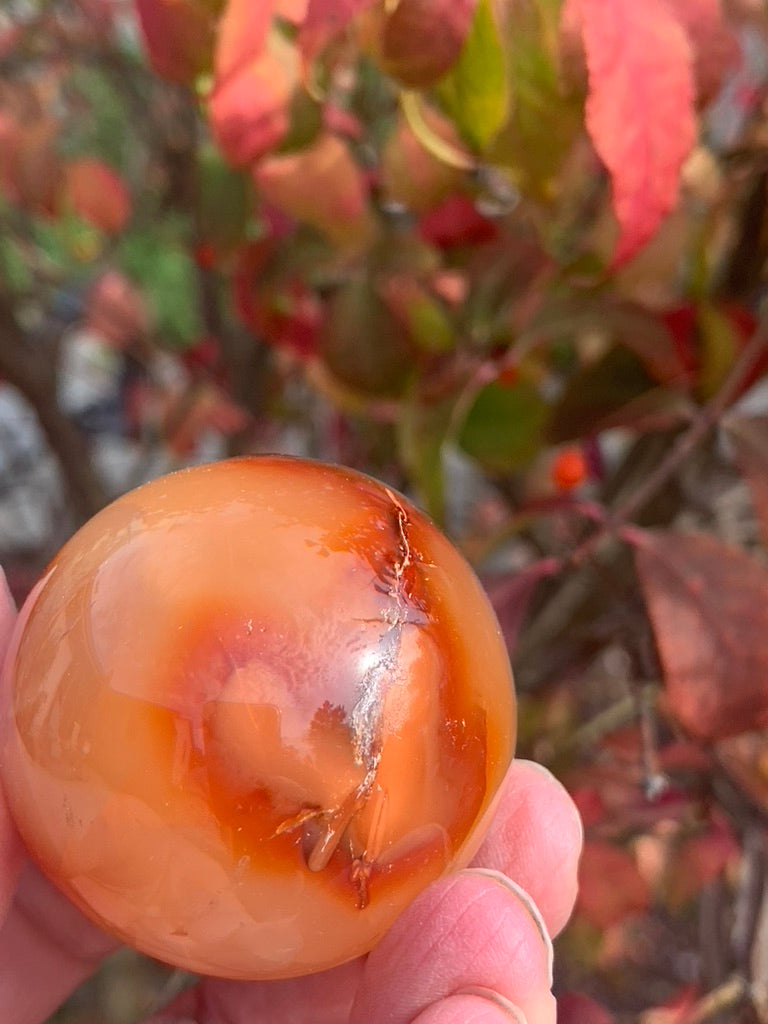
(34, 374)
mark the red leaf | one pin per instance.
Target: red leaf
(325, 20)
(681, 323)
(178, 35)
(639, 112)
(577, 1008)
(10, 37)
(249, 107)
(457, 222)
(241, 36)
(707, 605)
(411, 48)
(115, 309)
(29, 164)
(100, 15)
(321, 186)
(676, 1010)
(699, 860)
(294, 11)
(97, 194)
(715, 46)
(410, 174)
(745, 759)
(339, 121)
(207, 410)
(610, 885)
(511, 594)
(276, 304)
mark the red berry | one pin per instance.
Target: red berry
(205, 255)
(256, 707)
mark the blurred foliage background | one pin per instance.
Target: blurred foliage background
(508, 256)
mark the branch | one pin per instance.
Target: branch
(708, 418)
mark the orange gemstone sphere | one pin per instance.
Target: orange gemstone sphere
(255, 708)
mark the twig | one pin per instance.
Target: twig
(612, 718)
(748, 896)
(618, 521)
(728, 996)
(709, 416)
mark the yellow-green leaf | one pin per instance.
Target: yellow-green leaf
(476, 91)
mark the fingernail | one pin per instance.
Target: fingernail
(515, 1013)
(530, 906)
(537, 766)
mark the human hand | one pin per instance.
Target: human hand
(474, 948)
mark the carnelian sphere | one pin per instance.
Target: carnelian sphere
(256, 707)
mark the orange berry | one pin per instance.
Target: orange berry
(569, 469)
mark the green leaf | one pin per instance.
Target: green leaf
(599, 394)
(422, 430)
(362, 344)
(505, 426)
(475, 92)
(545, 118)
(223, 199)
(424, 318)
(15, 273)
(719, 345)
(161, 266)
(430, 326)
(105, 130)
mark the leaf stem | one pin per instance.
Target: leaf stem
(728, 996)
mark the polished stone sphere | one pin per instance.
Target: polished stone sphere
(256, 707)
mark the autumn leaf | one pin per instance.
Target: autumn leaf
(707, 605)
(610, 884)
(422, 39)
(96, 193)
(578, 1008)
(676, 1010)
(101, 15)
(10, 38)
(249, 108)
(192, 414)
(274, 300)
(457, 222)
(29, 163)
(745, 759)
(715, 45)
(511, 595)
(362, 344)
(324, 21)
(178, 35)
(294, 11)
(241, 36)
(544, 118)
(410, 174)
(420, 314)
(321, 186)
(699, 860)
(640, 107)
(476, 90)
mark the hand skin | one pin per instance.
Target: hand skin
(474, 948)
